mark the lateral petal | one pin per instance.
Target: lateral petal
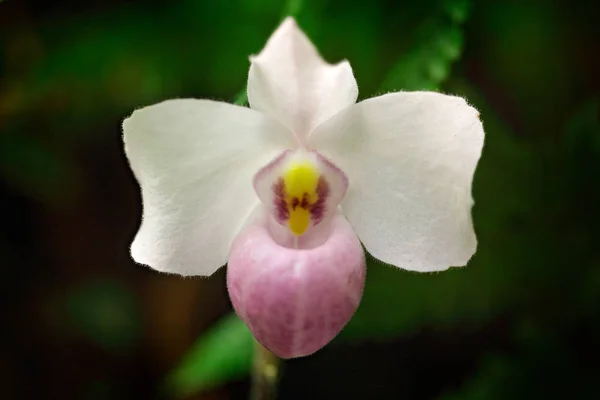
(194, 161)
(410, 159)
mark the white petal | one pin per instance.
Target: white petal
(410, 160)
(290, 81)
(194, 160)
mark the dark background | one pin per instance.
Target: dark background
(81, 321)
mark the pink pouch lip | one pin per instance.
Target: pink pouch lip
(295, 301)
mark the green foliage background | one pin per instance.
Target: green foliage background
(83, 322)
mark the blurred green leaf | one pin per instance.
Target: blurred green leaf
(34, 167)
(241, 99)
(458, 10)
(293, 7)
(398, 302)
(222, 354)
(438, 45)
(106, 313)
(583, 129)
(540, 366)
(107, 69)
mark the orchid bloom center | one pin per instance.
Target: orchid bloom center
(301, 188)
(300, 195)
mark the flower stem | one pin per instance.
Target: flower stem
(265, 373)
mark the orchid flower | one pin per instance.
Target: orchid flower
(285, 191)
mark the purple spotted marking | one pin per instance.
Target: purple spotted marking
(317, 209)
(296, 203)
(281, 210)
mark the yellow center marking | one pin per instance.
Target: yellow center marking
(300, 185)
